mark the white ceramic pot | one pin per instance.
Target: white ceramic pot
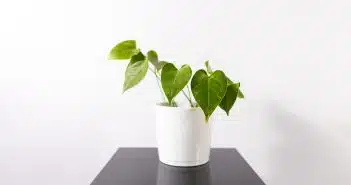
(183, 136)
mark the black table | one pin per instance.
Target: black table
(140, 166)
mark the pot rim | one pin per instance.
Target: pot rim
(162, 105)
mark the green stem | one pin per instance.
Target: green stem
(192, 105)
(158, 83)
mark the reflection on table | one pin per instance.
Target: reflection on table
(170, 175)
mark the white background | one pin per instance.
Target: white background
(62, 114)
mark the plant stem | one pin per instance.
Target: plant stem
(158, 83)
(189, 99)
(192, 105)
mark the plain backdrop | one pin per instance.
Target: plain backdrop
(62, 113)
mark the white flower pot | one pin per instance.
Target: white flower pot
(183, 136)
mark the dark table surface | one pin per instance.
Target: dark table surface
(140, 166)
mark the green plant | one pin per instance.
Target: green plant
(209, 88)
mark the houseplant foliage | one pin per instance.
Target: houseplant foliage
(207, 89)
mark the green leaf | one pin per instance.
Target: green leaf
(208, 67)
(136, 71)
(152, 57)
(124, 50)
(230, 97)
(209, 91)
(174, 80)
(241, 94)
(229, 81)
(161, 64)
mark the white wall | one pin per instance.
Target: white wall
(63, 115)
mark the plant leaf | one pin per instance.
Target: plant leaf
(124, 50)
(208, 67)
(208, 91)
(161, 64)
(152, 57)
(241, 94)
(174, 80)
(136, 71)
(230, 97)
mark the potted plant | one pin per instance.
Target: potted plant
(183, 134)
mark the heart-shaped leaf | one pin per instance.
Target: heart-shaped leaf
(209, 91)
(153, 58)
(230, 97)
(174, 80)
(124, 50)
(136, 71)
(209, 70)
